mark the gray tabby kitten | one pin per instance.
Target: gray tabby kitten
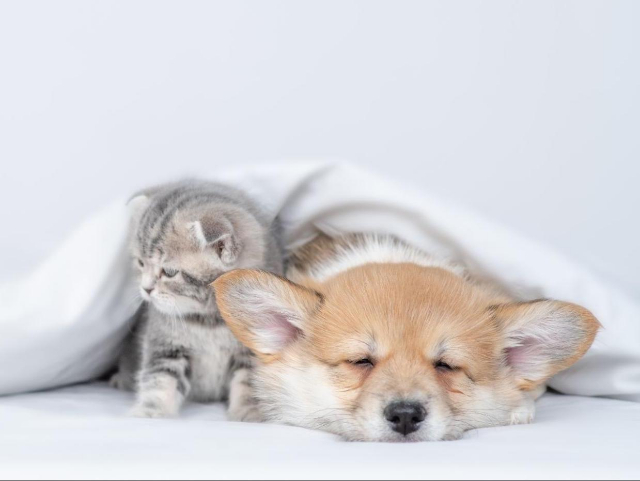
(184, 236)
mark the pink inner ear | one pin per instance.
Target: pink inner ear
(277, 332)
(527, 358)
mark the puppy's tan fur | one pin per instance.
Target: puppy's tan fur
(370, 297)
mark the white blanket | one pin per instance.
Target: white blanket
(65, 323)
(83, 433)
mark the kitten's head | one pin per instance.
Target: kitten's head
(179, 250)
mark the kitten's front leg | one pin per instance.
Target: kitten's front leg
(163, 383)
(242, 404)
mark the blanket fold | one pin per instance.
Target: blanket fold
(64, 324)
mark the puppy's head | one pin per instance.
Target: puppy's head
(398, 352)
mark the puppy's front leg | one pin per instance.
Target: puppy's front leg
(526, 412)
(163, 383)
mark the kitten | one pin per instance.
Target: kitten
(184, 236)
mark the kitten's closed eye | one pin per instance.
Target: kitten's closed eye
(140, 262)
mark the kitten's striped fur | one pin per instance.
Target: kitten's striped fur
(185, 235)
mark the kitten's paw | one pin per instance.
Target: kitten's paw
(149, 411)
(117, 382)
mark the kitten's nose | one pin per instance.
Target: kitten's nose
(148, 290)
(405, 417)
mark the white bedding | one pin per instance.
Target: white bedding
(82, 432)
(70, 332)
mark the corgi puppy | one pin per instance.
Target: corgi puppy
(374, 340)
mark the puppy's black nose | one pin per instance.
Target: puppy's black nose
(405, 417)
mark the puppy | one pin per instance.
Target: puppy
(374, 340)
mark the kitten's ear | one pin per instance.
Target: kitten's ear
(137, 205)
(218, 235)
(544, 337)
(265, 312)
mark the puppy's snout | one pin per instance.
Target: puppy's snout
(405, 417)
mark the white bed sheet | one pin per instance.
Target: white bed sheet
(83, 432)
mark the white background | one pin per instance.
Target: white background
(525, 112)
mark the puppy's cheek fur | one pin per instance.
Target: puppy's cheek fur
(300, 393)
(492, 405)
(368, 417)
(439, 423)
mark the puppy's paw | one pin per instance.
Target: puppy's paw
(524, 414)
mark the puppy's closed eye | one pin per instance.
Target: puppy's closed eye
(363, 363)
(444, 366)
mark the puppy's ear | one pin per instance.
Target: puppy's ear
(265, 312)
(544, 338)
